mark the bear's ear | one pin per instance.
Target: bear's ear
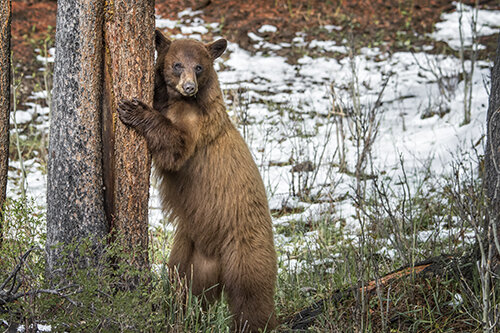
(217, 48)
(162, 43)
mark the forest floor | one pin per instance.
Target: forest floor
(374, 20)
(311, 84)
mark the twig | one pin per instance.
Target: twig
(13, 275)
(12, 294)
(57, 292)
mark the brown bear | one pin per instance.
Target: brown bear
(209, 183)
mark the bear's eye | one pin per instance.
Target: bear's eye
(198, 69)
(177, 67)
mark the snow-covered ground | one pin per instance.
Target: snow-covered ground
(286, 113)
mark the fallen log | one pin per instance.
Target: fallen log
(436, 266)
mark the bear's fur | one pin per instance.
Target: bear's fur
(210, 183)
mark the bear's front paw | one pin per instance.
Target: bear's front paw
(131, 112)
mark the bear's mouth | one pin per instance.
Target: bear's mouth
(187, 94)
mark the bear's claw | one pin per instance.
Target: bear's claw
(129, 111)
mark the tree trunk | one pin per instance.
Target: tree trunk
(98, 172)
(492, 156)
(75, 205)
(128, 72)
(5, 17)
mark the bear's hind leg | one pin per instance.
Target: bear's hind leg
(180, 257)
(205, 277)
(201, 272)
(249, 284)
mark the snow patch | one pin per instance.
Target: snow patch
(487, 23)
(267, 28)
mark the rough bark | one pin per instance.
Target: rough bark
(75, 207)
(5, 19)
(492, 155)
(128, 67)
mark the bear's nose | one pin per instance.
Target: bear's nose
(189, 88)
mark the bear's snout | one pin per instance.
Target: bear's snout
(189, 88)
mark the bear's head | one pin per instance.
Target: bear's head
(186, 65)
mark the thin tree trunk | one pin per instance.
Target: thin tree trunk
(128, 72)
(75, 207)
(492, 156)
(5, 18)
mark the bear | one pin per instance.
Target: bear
(209, 183)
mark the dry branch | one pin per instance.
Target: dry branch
(11, 294)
